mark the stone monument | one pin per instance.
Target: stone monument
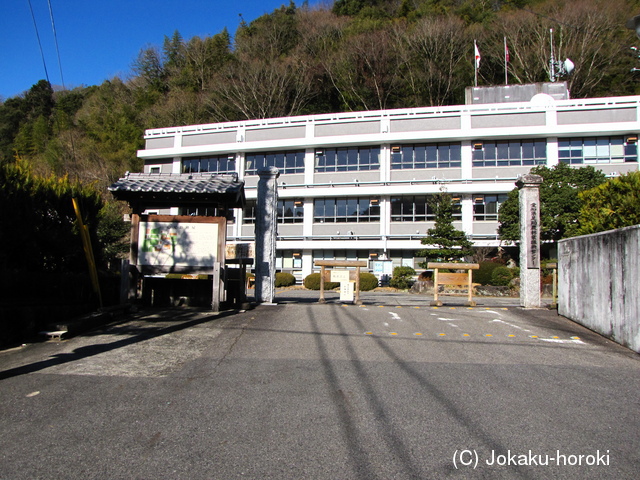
(266, 231)
(529, 196)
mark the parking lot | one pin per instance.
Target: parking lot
(393, 388)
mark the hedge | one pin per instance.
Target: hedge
(368, 281)
(284, 279)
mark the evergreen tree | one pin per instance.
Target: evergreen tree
(450, 243)
(559, 201)
(613, 204)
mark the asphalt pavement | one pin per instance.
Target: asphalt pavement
(391, 389)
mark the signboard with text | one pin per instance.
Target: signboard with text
(180, 243)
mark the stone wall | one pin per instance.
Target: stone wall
(598, 284)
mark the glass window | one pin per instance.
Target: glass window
(417, 208)
(436, 155)
(485, 207)
(286, 162)
(347, 159)
(597, 150)
(510, 152)
(343, 210)
(222, 164)
(288, 211)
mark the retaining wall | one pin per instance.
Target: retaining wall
(598, 283)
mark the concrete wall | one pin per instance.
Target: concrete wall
(598, 283)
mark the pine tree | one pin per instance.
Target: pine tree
(450, 243)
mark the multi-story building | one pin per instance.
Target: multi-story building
(357, 185)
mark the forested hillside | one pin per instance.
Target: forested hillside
(352, 55)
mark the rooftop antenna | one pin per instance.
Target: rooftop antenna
(557, 68)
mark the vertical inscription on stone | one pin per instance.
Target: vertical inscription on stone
(534, 245)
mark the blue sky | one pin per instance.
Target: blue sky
(98, 40)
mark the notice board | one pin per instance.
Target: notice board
(176, 243)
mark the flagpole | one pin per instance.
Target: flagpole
(475, 63)
(506, 62)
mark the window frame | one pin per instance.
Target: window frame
(510, 153)
(426, 155)
(347, 159)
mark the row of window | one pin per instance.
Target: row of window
(411, 208)
(435, 155)
(597, 150)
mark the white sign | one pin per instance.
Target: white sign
(177, 244)
(339, 276)
(346, 291)
(382, 267)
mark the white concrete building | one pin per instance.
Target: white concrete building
(355, 185)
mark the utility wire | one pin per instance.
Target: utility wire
(55, 39)
(35, 25)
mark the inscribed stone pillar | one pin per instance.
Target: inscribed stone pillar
(529, 196)
(266, 211)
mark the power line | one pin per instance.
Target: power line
(55, 39)
(35, 25)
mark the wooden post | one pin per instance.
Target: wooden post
(341, 263)
(554, 300)
(215, 294)
(462, 279)
(436, 302)
(133, 257)
(322, 299)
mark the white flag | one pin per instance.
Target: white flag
(477, 55)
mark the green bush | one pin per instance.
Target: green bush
(484, 273)
(368, 281)
(284, 279)
(312, 282)
(502, 275)
(402, 278)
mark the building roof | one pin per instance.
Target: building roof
(154, 190)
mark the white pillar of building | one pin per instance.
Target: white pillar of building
(529, 196)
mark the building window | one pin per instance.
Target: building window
(485, 207)
(285, 162)
(222, 164)
(435, 155)
(154, 170)
(597, 150)
(418, 208)
(342, 210)
(288, 211)
(347, 159)
(509, 153)
(203, 211)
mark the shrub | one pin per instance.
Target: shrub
(284, 279)
(484, 273)
(312, 282)
(501, 276)
(368, 281)
(402, 278)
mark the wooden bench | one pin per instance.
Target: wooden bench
(458, 279)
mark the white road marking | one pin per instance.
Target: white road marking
(395, 316)
(559, 340)
(510, 324)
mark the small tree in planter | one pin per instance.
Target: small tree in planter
(450, 243)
